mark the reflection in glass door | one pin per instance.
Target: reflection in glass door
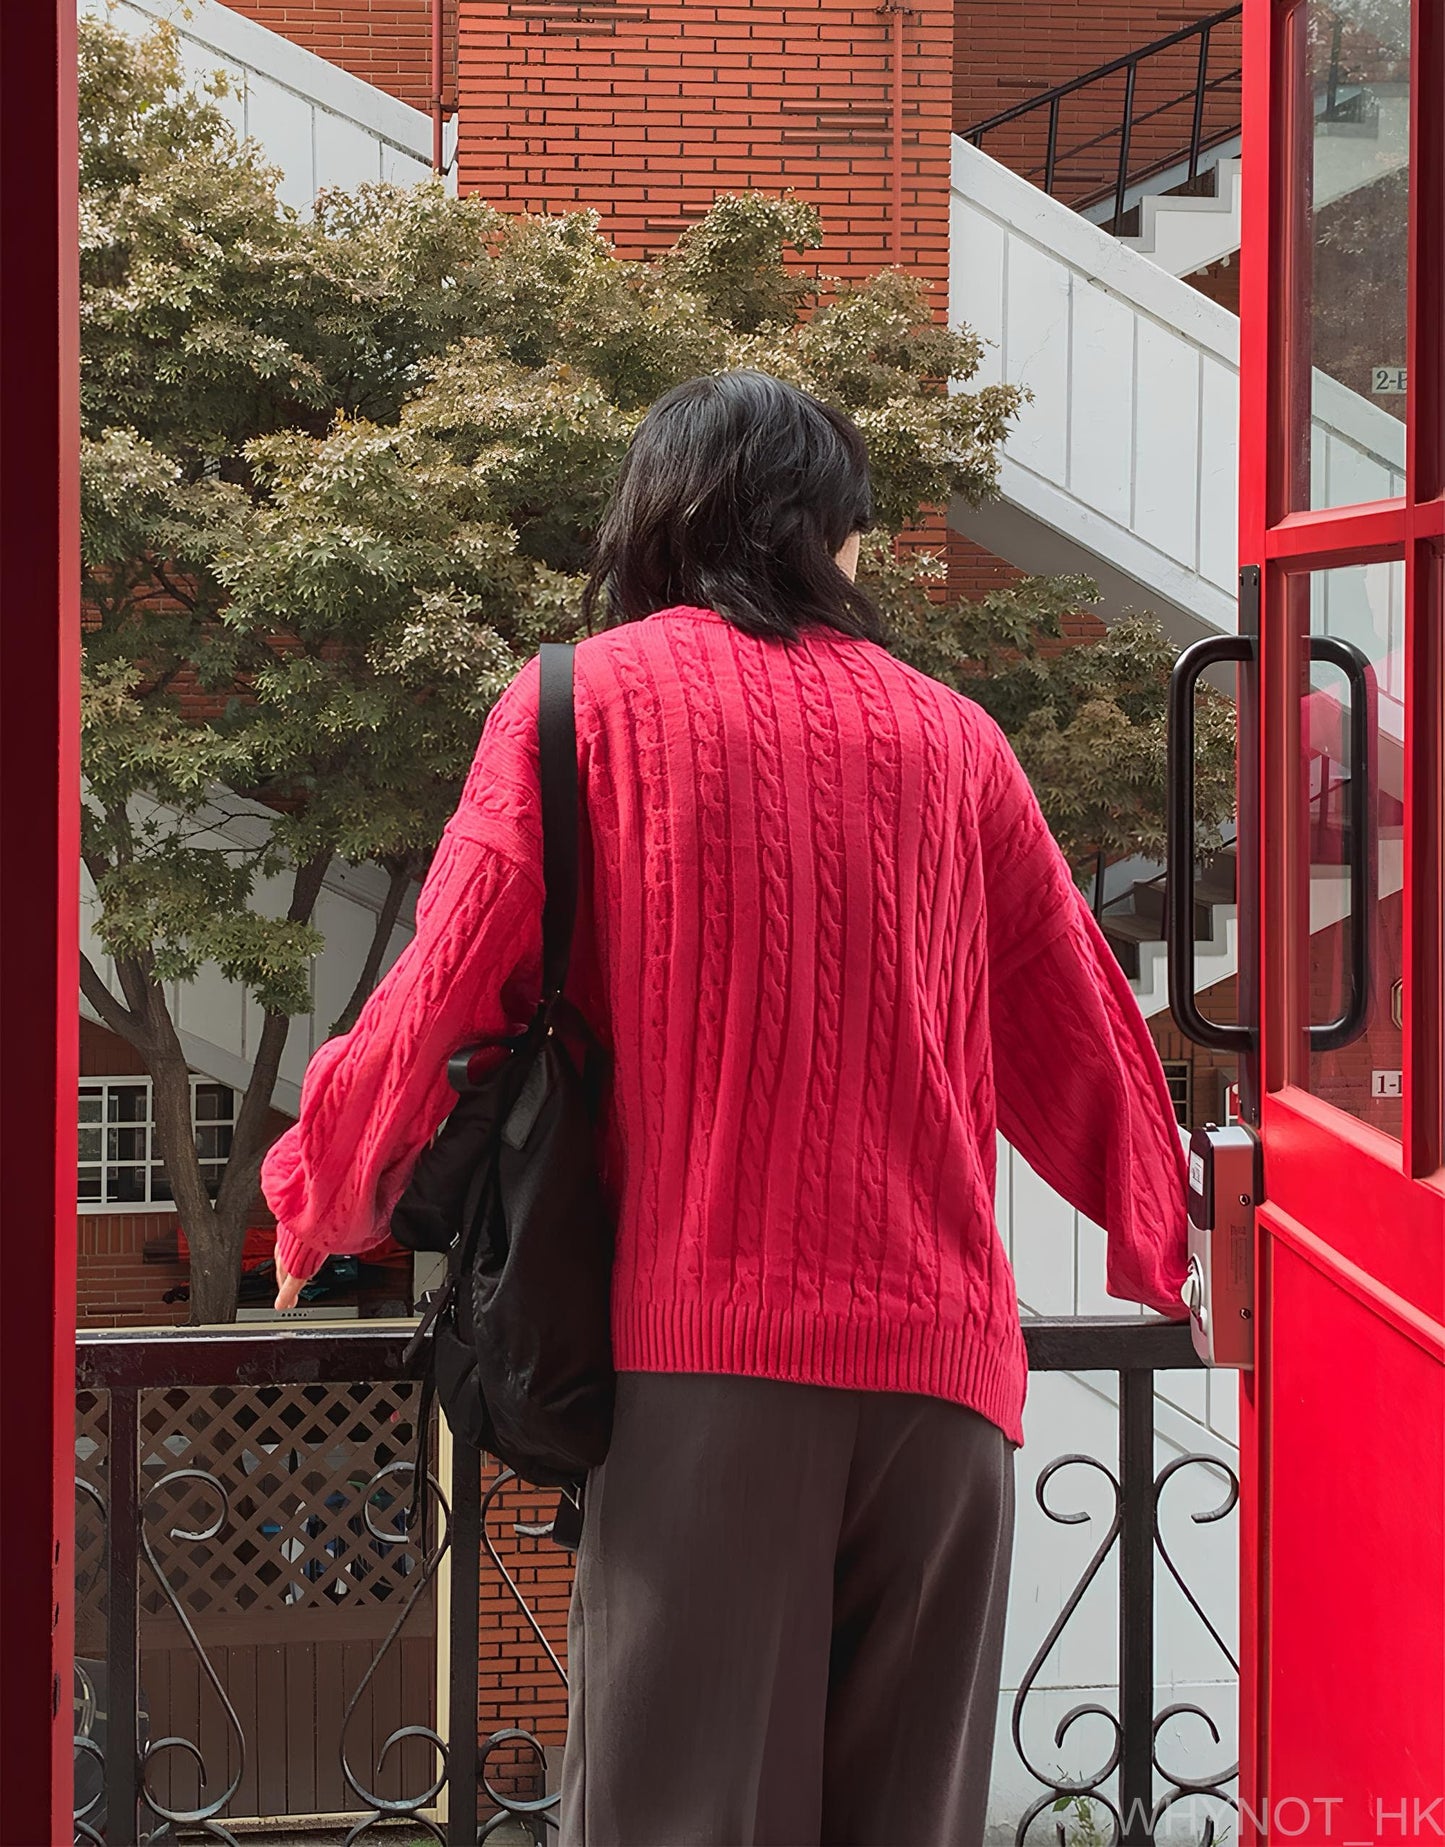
(1351, 791)
(1350, 282)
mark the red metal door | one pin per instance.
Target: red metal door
(40, 826)
(1342, 1716)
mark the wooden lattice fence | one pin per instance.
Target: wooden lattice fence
(274, 1515)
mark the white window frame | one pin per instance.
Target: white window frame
(150, 1165)
(1180, 1071)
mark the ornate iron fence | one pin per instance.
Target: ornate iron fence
(249, 1594)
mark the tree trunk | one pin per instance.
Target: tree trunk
(215, 1271)
(215, 1230)
(215, 1244)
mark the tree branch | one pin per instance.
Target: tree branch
(192, 603)
(249, 1138)
(118, 1018)
(401, 877)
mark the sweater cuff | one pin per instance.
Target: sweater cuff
(298, 1259)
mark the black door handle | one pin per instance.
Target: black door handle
(1179, 862)
(1354, 664)
(1216, 650)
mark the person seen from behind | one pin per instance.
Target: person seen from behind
(832, 947)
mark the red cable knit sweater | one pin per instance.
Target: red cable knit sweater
(831, 942)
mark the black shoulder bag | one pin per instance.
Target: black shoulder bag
(516, 1344)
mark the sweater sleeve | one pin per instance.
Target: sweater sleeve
(1081, 1092)
(372, 1098)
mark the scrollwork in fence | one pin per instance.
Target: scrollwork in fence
(1085, 1793)
(1084, 1787)
(89, 1757)
(1185, 1788)
(204, 1814)
(390, 1808)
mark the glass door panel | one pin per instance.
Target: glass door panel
(1351, 791)
(1349, 281)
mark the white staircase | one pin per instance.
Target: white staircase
(316, 122)
(1186, 234)
(1124, 463)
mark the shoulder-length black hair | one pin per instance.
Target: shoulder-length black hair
(735, 494)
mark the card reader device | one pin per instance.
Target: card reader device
(1224, 1189)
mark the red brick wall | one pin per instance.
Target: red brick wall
(517, 1684)
(649, 110)
(385, 42)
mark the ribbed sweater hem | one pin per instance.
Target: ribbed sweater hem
(965, 1364)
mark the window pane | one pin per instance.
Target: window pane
(127, 1103)
(213, 1142)
(88, 1185)
(126, 1186)
(1363, 606)
(215, 1103)
(89, 1149)
(1350, 287)
(127, 1144)
(1177, 1074)
(90, 1106)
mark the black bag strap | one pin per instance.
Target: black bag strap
(557, 748)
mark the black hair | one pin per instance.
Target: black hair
(736, 492)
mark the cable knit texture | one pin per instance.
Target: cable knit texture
(832, 946)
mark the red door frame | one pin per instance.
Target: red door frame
(40, 807)
(1386, 1200)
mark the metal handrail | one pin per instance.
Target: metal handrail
(1129, 63)
(317, 1353)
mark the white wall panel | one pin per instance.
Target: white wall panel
(1224, 1388)
(1187, 1392)
(1042, 1240)
(985, 251)
(283, 124)
(1167, 464)
(1217, 490)
(344, 150)
(1036, 355)
(1091, 1244)
(1101, 400)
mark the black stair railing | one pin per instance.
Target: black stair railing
(1214, 71)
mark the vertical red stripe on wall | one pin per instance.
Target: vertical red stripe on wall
(40, 809)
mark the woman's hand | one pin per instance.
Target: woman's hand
(288, 1288)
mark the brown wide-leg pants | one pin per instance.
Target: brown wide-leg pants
(787, 1620)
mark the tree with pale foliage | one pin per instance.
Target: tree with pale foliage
(340, 474)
